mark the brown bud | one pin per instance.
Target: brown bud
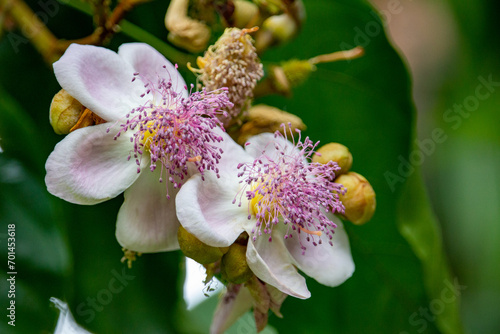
(65, 112)
(197, 250)
(234, 267)
(334, 152)
(185, 32)
(263, 118)
(359, 200)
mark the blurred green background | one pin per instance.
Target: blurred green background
(404, 282)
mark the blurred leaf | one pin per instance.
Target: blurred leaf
(41, 251)
(419, 226)
(464, 169)
(17, 130)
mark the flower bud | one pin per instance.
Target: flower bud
(276, 30)
(291, 73)
(334, 152)
(359, 200)
(280, 28)
(197, 250)
(234, 267)
(297, 71)
(184, 31)
(65, 112)
(263, 118)
(245, 14)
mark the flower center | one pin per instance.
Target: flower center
(148, 136)
(255, 203)
(262, 204)
(172, 129)
(285, 187)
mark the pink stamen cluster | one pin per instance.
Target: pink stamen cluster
(293, 189)
(176, 130)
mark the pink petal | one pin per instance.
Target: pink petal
(149, 64)
(100, 79)
(146, 221)
(329, 265)
(271, 262)
(235, 302)
(205, 209)
(89, 167)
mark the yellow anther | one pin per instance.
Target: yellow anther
(148, 134)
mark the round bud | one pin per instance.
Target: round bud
(263, 118)
(275, 29)
(197, 250)
(297, 71)
(65, 112)
(359, 200)
(184, 31)
(234, 267)
(334, 152)
(245, 13)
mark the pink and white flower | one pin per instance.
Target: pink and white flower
(284, 203)
(155, 131)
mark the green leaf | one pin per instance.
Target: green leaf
(419, 226)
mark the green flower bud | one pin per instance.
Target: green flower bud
(275, 30)
(234, 267)
(334, 152)
(359, 200)
(197, 250)
(297, 71)
(245, 14)
(65, 112)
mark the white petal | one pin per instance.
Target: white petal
(205, 209)
(329, 265)
(271, 263)
(66, 324)
(233, 304)
(88, 166)
(266, 142)
(146, 221)
(100, 79)
(149, 64)
(255, 145)
(232, 155)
